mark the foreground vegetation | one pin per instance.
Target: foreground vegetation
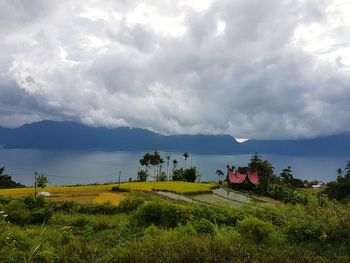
(128, 222)
(146, 228)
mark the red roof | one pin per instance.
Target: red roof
(236, 177)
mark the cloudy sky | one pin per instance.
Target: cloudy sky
(248, 68)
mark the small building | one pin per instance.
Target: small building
(246, 180)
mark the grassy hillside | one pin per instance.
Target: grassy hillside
(142, 227)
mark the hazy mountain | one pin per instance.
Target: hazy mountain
(71, 135)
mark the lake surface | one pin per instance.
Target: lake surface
(82, 167)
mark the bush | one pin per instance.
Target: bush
(120, 190)
(190, 174)
(31, 202)
(81, 221)
(255, 229)
(65, 207)
(178, 175)
(204, 227)
(40, 216)
(304, 229)
(101, 209)
(286, 194)
(101, 225)
(18, 215)
(130, 204)
(28, 211)
(161, 214)
(142, 176)
(4, 200)
(217, 215)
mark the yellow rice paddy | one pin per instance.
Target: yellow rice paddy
(88, 193)
(112, 198)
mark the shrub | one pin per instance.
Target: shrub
(142, 176)
(217, 216)
(304, 229)
(190, 174)
(65, 207)
(101, 209)
(100, 225)
(161, 214)
(255, 229)
(119, 189)
(178, 175)
(40, 216)
(31, 202)
(4, 200)
(204, 227)
(130, 204)
(17, 214)
(81, 221)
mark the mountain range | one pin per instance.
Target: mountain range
(76, 136)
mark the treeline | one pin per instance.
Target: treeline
(6, 180)
(282, 187)
(340, 188)
(154, 161)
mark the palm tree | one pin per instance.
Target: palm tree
(174, 164)
(347, 168)
(167, 164)
(339, 172)
(161, 161)
(220, 173)
(186, 155)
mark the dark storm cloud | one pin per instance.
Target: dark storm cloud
(245, 68)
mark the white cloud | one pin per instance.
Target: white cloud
(253, 69)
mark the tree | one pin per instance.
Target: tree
(154, 160)
(265, 170)
(142, 175)
(287, 176)
(287, 179)
(174, 164)
(347, 168)
(178, 175)
(339, 172)
(6, 180)
(190, 174)
(41, 181)
(340, 188)
(186, 155)
(220, 173)
(167, 164)
(160, 173)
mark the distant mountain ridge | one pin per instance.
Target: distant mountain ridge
(72, 135)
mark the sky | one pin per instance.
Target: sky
(272, 69)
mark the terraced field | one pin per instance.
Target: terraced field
(102, 193)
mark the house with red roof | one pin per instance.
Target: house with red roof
(236, 178)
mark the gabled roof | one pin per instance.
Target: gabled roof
(235, 177)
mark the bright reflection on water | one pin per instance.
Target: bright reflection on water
(81, 167)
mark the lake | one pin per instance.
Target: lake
(82, 167)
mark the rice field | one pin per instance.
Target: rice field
(174, 186)
(217, 200)
(87, 193)
(112, 198)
